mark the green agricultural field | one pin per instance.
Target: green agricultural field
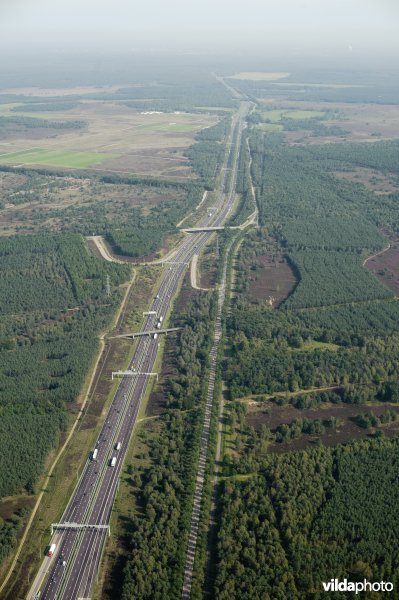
(55, 158)
(259, 75)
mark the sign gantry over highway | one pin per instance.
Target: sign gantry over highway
(131, 373)
(79, 526)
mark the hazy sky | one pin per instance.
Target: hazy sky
(206, 23)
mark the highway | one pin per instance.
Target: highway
(71, 573)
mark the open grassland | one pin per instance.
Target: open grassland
(116, 138)
(259, 75)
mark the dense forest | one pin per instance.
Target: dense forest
(318, 223)
(279, 364)
(332, 278)
(207, 153)
(306, 517)
(14, 123)
(56, 106)
(142, 235)
(52, 306)
(320, 85)
(141, 81)
(9, 529)
(292, 519)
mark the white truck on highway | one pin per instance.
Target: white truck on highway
(51, 550)
(113, 461)
(155, 336)
(94, 454)
(118, 446)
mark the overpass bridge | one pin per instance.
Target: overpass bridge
(142, 333)
(201, 229)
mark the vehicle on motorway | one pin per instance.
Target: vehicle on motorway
(113, 461)
(51, 550)
(155, 336)
(160, 319)
(94, 454)
(158, 325)
(118, 446)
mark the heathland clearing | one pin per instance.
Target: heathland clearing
(33, 203)
(346, 429)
